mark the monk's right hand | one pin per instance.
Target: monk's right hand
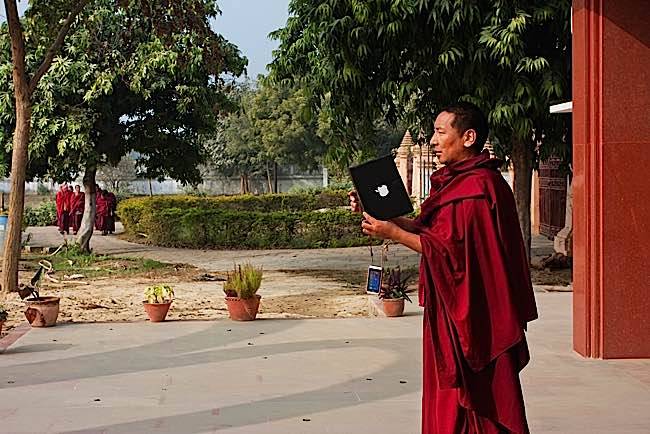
(355, 203)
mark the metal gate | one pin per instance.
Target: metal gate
(552, 197)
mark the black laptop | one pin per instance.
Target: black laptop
(381, 189)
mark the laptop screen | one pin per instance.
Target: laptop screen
(380, 188)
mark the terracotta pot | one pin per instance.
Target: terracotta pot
(243, 309)
(157, 311)
(42, 311)
(393, 306)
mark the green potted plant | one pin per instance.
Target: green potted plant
(393, 292)
(40, 311)
(3, 316)
(158, 299)
(241, 287)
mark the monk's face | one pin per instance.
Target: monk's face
(449, 144)
(77, 189)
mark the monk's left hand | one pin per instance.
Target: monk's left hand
(378, 228)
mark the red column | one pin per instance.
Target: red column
(611, 184)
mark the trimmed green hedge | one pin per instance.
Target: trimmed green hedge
(268, 221)
(131, 210)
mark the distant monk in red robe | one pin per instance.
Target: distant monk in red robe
(101, 208)
(77, 203)
(111, 203)
(63, 209)
(474, 284)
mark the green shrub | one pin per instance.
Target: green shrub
(132, 211)
(41, 215)
(283, 220)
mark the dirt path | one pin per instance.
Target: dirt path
(323, 283)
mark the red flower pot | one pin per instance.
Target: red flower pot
(156, 311)
(243, 309)
(393, 306)
(42, 311)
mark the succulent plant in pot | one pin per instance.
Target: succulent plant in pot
(393, 292)
(240, 287)
(158, 299)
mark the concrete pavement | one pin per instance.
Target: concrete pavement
(349, 376)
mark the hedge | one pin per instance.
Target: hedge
(41, 215)
(226, 222)
(131, 210)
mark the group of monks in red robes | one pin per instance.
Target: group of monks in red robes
(474, 284)
(106, 204)
(69, 208)
(70, 205)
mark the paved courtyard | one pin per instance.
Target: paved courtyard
(287, 376)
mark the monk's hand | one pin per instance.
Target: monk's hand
(379, 228)
(355, 203)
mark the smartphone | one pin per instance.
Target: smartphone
(373, 283)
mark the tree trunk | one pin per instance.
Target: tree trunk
(268, 178)
(275, 178)
(244, 185)
(522, 160)
(88, 221)
(17, 196)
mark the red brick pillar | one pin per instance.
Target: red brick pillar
(611, 184)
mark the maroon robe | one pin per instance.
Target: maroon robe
(476, 289)
(63, 210)
(101, 208)
(77, 204)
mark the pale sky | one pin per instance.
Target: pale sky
(246, 23)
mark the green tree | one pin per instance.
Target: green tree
(28, 66)
(133, 76)
(271, 127)
(403, 60)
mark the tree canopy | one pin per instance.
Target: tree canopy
(132, 76)
(406, 59)
(269, 128)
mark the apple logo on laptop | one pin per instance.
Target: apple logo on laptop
(382, 190)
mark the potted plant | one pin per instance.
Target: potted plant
(241, 287)
(393, 292)
(40, 311)
(3, 316)
(158, 299)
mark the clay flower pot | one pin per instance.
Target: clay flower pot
(393, 306)
(42, 311)
(157, 311)
(243, 309)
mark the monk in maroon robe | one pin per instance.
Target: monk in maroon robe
(63, 209)
(101, 208)
(77, 204)
(474, 284)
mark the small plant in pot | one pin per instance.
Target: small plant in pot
(393, 292)
(241, 287)
(158, 299)
(40, 311)
(3, 316)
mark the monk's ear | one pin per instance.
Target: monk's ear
(469, 138)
